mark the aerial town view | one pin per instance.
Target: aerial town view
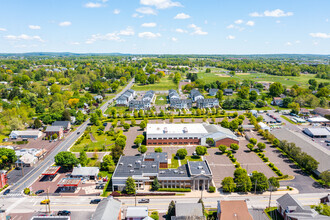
(164, 110)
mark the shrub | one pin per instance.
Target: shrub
(212, 189)
(237, 165)
(174, 190)
(155, 215)
(27, 191)
(271, 165)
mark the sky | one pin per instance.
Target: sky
(166, 26)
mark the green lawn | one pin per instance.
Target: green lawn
(301, 80)
(161, 100)
(164, 84)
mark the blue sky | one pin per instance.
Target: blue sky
(166, 26)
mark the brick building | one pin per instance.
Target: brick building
(188, 134)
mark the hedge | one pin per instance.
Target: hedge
(174, 189)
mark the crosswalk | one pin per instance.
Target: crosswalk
(12, 195)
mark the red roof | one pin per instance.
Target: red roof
(51, 170)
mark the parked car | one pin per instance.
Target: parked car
(44, 202)
(144, 200)
(39, 191)
(327, 141)
(6, 192)
(95, 201)
(78, 132)
(64, 212)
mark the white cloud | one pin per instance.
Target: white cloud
(327, 20)
(320, 35)
(278, 21)
(174, 39)
(3, 29)
(75, 43)
(179, 30)
(206, 22)
(197, 30)
(288, 44)
(315, 43)
(24, 37)
(250, 23)
(152, 24)
(240, 21)
(182, 16)
(34, 27)
(274, 13)
(136, 15)
(149, 35)
(297, 42)
(230, 37)
(93, 5)
(146, 10)
(65, 23)
(231, 26)
(160, 4)
(115, 36)
(116, 11)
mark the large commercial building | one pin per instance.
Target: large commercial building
(196, 175)
(189, 134)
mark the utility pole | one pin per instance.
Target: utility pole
(48, 200)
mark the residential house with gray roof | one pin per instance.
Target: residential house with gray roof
(173, 94)
(213, 92)
(139, 105)
(125, 98)
(207, 103)
(195, 95)
(108, 209)
(149, 96)
(180, 103)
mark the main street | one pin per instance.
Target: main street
(82, 203)
(30, 177)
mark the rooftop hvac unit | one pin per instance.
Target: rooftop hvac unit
(175, 171)
(153, 166)
(200, 167)
(138, 161)
(143, 166)
(162, 171)
(202, 172)
(181, 172)
(121, 164)
(131, 171)
(130, 165)
(185, 130)
(165, 130)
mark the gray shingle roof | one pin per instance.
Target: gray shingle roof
(188, 209)
(85, 171)
(198, 167)
(107, 209)
(64, 124)
(53, 128)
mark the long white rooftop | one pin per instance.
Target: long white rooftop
(192, 128)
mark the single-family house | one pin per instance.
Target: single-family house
(109, 208)
(149, 96)
(65, 124)
(98, 98)
(125, 98)
(136, 213)
(188, 211)
(278, 101)
(213, 92)
(256, 90)
(195, 95)
(173, 94)
(321, 111)
(207, 103)
(325, 200)
(27, 160)
(228, 92)
(232, 210)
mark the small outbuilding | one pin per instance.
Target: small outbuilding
(35, 134)
(263, 126)
(89, 173)
(317, 132)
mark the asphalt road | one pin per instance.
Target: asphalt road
(31, 176)
(79, 204)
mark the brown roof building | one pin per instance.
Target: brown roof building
(321, 111)
(233, 210)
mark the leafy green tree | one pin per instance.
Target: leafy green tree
(203, 207)
(143, 125)
(325, 177)
(228, 184)
(219, 95)
(234, 147)
(243, 183)
(259, 181)
(276, 142)
(108, 164)
(66, 159)
(261, 146)
(116, 152)
(54, 136)
(83, 159)
(7, 156)
(253, 141)
(170, 210)
(239, 171)
(322, 209)
(121, 142)
(276, 89)
(130, 186)
(155, 215)
(250, 146)
(126, 126)
(253, 96)
(138, 141)
(210, 141)
(155, 184)
(182, 153)
(243, 93)
(66, 115)
(222, 148)
(201, 150)
(142, 149)
(273, 183)
(37, 123)
(158, 150)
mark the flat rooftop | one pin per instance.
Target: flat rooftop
(190, 128)
(69, 182)
(51, 170)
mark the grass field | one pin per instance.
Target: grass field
(164, 84)
(259, 77)
(175, 161)
(161, 100)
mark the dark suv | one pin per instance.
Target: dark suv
(95, 201)
(39, 191)
(64, 212)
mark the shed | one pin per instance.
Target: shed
(263, 126)
(85, 172)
